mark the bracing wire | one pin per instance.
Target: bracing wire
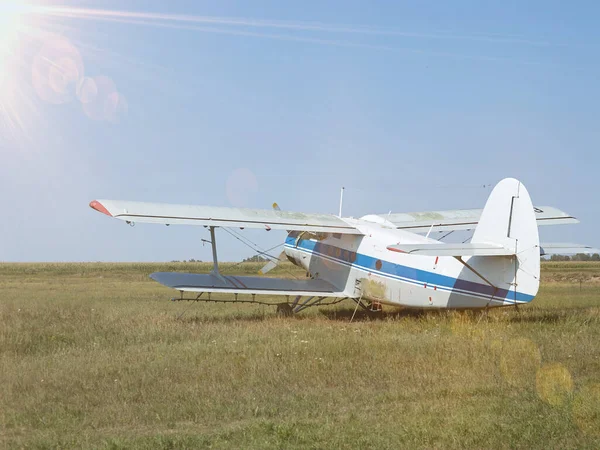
(255, 248)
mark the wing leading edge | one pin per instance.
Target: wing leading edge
(215, 216)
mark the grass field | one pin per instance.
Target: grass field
(95, 356)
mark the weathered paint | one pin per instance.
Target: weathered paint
(374, 290)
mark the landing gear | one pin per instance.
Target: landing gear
(371, 307)
(285, 310)
(376, 307)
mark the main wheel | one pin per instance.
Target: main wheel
(284, 309)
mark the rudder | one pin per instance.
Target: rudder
(509, 219)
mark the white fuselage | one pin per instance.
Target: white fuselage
(363, 267)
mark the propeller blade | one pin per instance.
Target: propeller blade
(272, 264)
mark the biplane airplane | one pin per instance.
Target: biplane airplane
(378, 259)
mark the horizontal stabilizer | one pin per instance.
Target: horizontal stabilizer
(472, 249)
(466, 219)
(229, 284)
(566, 249)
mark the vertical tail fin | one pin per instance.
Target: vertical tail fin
(509, 219)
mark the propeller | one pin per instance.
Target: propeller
(272, 264)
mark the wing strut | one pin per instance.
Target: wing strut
(213, 243)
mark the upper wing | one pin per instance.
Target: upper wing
(195, 282)
(465, 219)
(484, 249)
(566, 249)
(221, 217)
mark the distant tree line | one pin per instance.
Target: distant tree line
(256, 258)
(577, 257)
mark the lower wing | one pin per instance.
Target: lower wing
(229, 284)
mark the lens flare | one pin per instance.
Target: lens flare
(554, 384)
(519, 362)
(586, 409)
(11, 13)
(12, 99)
(95, 95)
(241, 186)
(57, 70)
(11, 25)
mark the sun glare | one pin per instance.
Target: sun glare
(39, 62)
(11, 14)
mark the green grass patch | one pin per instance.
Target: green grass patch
(95, 356)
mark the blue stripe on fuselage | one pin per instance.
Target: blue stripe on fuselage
(406, 273)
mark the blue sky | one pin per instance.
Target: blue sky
(410, 105)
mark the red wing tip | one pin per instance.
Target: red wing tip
(99, 207)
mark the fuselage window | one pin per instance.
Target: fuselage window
(346, 255)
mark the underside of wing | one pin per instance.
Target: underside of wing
(465, 219)
(170, 214)
(229, 284)
(472, 249)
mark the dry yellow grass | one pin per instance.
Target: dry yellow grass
(94, 355)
